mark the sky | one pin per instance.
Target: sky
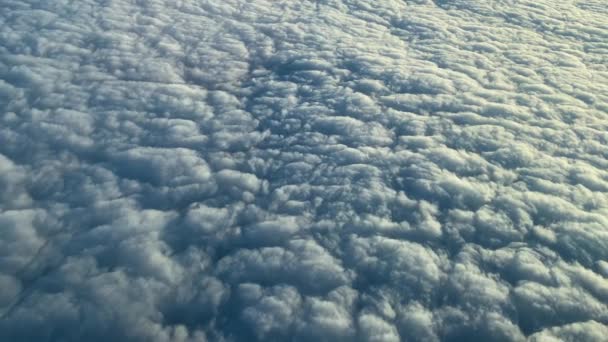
(282, 170)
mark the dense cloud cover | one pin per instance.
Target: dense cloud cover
(330, 170)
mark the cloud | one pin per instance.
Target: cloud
(303, 170)
(584, 331)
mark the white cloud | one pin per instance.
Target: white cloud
(303, 170)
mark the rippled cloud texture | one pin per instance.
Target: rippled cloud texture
(332, 170)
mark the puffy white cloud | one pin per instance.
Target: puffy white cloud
(303, 170)
(583, 331)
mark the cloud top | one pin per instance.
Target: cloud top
(303, 170)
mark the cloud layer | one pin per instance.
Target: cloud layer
(329, 170)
